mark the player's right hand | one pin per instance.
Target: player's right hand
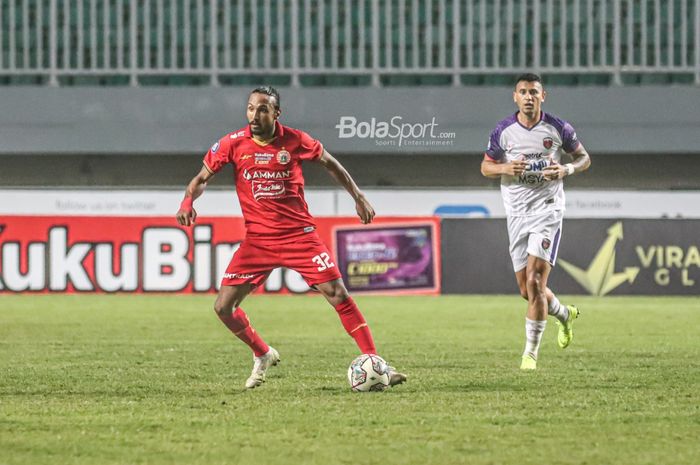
(514, 168)
(186, 216)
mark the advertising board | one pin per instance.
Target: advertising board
(144, 254)
(397, 257)
(597, 257)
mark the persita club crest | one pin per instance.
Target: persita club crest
(548, 142)
(283, 157)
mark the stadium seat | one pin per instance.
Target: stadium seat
(655, 79)
(561, 80)
(435, 80)
(682, 79)
(500, 80)
(399, 80)
(594, 80)
(472, 80)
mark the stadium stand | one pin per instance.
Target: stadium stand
(89, 82)
(348, 43)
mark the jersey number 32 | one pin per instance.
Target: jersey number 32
(323, 261)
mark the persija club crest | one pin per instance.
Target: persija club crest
(283, 157)
(548, 142)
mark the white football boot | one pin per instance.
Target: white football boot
(260, 366)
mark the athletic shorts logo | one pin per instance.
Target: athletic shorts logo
(548, 142)
(283, 157)
(546, 243)
(239, 276)
(215, 147)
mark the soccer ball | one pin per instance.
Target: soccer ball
(368, 372)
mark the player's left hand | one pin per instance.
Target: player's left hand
(186, 216)
(554, 171)
(364, 209)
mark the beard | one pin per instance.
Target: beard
(257, 129)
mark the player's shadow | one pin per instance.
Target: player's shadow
(333, 390)
(479, 387)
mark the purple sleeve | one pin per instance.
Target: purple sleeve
(569, 141)
(494, 149)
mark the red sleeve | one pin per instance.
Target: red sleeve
(309, 148)
(219, 154)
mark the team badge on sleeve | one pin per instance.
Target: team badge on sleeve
(548, 142)
(283, 157)
(215, 147)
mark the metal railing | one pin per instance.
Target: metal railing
(52, 39)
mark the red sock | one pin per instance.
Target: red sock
(239, 324)
(356, 326)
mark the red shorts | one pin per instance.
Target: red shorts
(255, 260)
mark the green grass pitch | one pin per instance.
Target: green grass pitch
(99, 379)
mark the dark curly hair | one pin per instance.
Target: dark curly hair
(268, 90)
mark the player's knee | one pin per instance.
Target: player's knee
(535, 283)
(336, 294)
(339, 297)
(222, 307)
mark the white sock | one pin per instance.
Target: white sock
(533, 335)
(557, 310)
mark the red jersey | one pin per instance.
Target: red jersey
(269, 180)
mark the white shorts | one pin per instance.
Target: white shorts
(534, 235)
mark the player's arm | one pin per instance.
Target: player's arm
(186, 215)
(581, 162)
(494, 163)
(341, 175)
(493, 169)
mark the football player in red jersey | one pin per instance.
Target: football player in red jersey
(267, 159)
